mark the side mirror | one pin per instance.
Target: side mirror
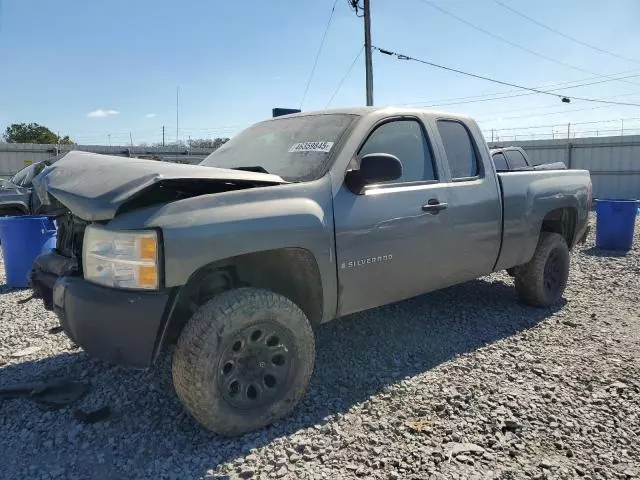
(374, 168)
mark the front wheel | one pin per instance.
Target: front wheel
(541, 281)
(244, 360)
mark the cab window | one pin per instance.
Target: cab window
(406, 140)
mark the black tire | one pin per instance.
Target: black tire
(541, 281)
(232, 390)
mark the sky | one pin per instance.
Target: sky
(102, 70)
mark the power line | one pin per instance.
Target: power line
(513, 44)
(562, 34)
(345, 76)
(564, 98)
(401, 56)
(481, 98)
(560, 111)
(530, 127)
(618, 132)
(315, 62)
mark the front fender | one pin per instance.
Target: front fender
(206, 229)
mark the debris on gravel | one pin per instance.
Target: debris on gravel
(463, 383)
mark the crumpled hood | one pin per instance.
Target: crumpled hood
(94, 186)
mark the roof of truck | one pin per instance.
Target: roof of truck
(388, 109)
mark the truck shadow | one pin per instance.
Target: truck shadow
(4, 288)
(358, 356)
(597, 252)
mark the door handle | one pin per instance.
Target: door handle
(434, 206)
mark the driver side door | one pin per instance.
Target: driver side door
(388, 238)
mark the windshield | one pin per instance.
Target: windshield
(22, 176)
(298, 149)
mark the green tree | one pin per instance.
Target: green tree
(33, 133)
(213, 143)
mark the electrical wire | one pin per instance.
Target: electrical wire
(543, 107)
(530, 127)
(558, 112)
(481, 98)
(345, 76)
(564, 98)
(315, 61)
(513, 44)
(562, 34)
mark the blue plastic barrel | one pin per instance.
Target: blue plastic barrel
(23, 239)
(615, 223)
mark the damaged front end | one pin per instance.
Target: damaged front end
(64, 261)
(120, 321)
(118, 325)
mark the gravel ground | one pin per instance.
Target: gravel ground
(461, 383)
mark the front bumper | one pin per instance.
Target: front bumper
(120, 326)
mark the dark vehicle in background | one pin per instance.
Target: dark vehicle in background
(15, 193)
(508, 159)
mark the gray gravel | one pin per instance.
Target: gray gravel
(461, 383)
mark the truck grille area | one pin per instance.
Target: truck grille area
(70, 236)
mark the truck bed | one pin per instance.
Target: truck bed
(527, 196)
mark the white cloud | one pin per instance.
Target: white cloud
(100, 113)
(150, 115)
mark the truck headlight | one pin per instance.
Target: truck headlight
(121, 259)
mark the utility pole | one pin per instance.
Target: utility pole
(367, 52)
(163, 135)
(568, 155)
(109, 138)
(492, 135)
(177, 113)
(130, 139)
(622, 127)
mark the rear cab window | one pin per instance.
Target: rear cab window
(500, 162)
(460, 150)
(516, 159)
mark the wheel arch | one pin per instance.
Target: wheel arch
(291, 272)
(562, 221)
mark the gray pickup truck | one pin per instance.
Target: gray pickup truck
(294, 222)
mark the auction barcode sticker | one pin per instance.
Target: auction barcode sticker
(311, 147)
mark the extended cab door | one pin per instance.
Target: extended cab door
(473, 218)
(391, 241)
(437, 225)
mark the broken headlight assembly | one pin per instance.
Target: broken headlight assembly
(121, 259)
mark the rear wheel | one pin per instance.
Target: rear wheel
(542, 281)
(244, 360)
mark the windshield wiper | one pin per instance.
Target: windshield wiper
(257, 169)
